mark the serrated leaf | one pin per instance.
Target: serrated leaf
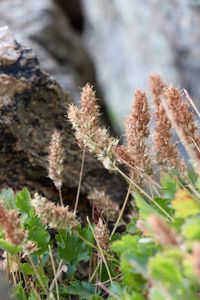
(23, 201)
(71, 248)
(82, 289)
(41, 237)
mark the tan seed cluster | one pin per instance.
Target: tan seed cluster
(102, 234)
(55, 158)
(10, 223)
(89, 134)
(166, 151)
(54, 216)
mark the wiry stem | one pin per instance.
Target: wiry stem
(80, 180)
(121, 211)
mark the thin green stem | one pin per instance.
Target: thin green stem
(101, 251)
(142, 191)
(60, 196)
(80, 180)
(122, 210)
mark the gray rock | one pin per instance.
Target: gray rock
(41, 25)
(130, 39)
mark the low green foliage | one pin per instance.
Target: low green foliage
(142, 264)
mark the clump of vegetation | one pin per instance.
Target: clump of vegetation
(50, 254)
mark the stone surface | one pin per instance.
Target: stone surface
(41, 25)
(130, 39)
(33, 105)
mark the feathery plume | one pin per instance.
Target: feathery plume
(53, 215)
(161, 231)
(55, 158)
(102, 234)
(10, 223)
(89, 135)
(166, 152)
(103, 204)
(135, 153)
(184, 120)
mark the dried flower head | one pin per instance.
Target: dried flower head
(103, 204)
(55, 158)
(184, 119)
(89, 135)
(10, 223)
(161, 231)
(166, 151)
(53, 215)
(29, 247)
(136, 153)
(102, 234)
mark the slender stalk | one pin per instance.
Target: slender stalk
(110, 293)
(122, 210)
(60, 196)
(80, 180)
(101, 251)
(37, 274)
(142, 191)
(191, 102)
(54, 272)
(95, 271)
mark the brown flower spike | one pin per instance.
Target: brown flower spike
(10, 223)
(136, 152)
(102, 234)
(89, 135)
(166, 152)
(55, 158)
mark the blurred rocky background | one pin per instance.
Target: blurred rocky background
(113, 44)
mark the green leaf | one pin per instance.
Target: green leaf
(185, 205)
(19, 292)
(10, 248)
(87, 235)
(123, 293)
(82, 289)
(23, 201)
(126, 243)
(165, 268)
(9, 198)
(41, 237)
(191, 229)
(27, 269)
(145, 209)
(71, 248)
(169, 184)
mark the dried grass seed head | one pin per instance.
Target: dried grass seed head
(54, 216)
(10, 223)
(102, 234)
(55, 158)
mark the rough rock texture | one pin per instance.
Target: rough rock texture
(130, 39)
(41, 25)
(32, 105)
